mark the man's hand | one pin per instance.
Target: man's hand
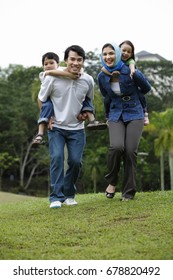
(82, 116)
(50, 123)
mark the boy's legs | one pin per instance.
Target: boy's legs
(46, 112)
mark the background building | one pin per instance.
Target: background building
(143, 55)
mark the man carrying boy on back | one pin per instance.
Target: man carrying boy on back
(67, 97)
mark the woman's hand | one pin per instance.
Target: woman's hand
(115, 74)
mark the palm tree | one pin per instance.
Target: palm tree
(93, 160)
(162, 126)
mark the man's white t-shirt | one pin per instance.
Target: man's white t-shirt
(67, 96)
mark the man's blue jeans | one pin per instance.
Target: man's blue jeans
(63, 183)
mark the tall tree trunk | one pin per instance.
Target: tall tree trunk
(94, 178)
(171, 168)
(162, 180)
(23, 165)
(30, 176)
(1, 172)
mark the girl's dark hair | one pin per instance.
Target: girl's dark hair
(131, 45)
(74, 48)
(50, 55)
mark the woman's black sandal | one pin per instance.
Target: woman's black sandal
(109, 195)
(38, 140)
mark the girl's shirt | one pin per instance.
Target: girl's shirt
(130, 61)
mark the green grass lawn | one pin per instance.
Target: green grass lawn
(96, 229)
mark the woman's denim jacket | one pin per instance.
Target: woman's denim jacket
(127, 105)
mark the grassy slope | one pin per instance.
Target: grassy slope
(97, 228)
(10, 197)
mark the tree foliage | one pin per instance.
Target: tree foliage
(18, 119)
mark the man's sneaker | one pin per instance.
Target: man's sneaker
(55, 204)
(96, 125)
(146, 119)
(70, 201)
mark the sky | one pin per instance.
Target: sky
(30, 28)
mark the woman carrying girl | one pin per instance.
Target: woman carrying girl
(128, 57)
(125, 116)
